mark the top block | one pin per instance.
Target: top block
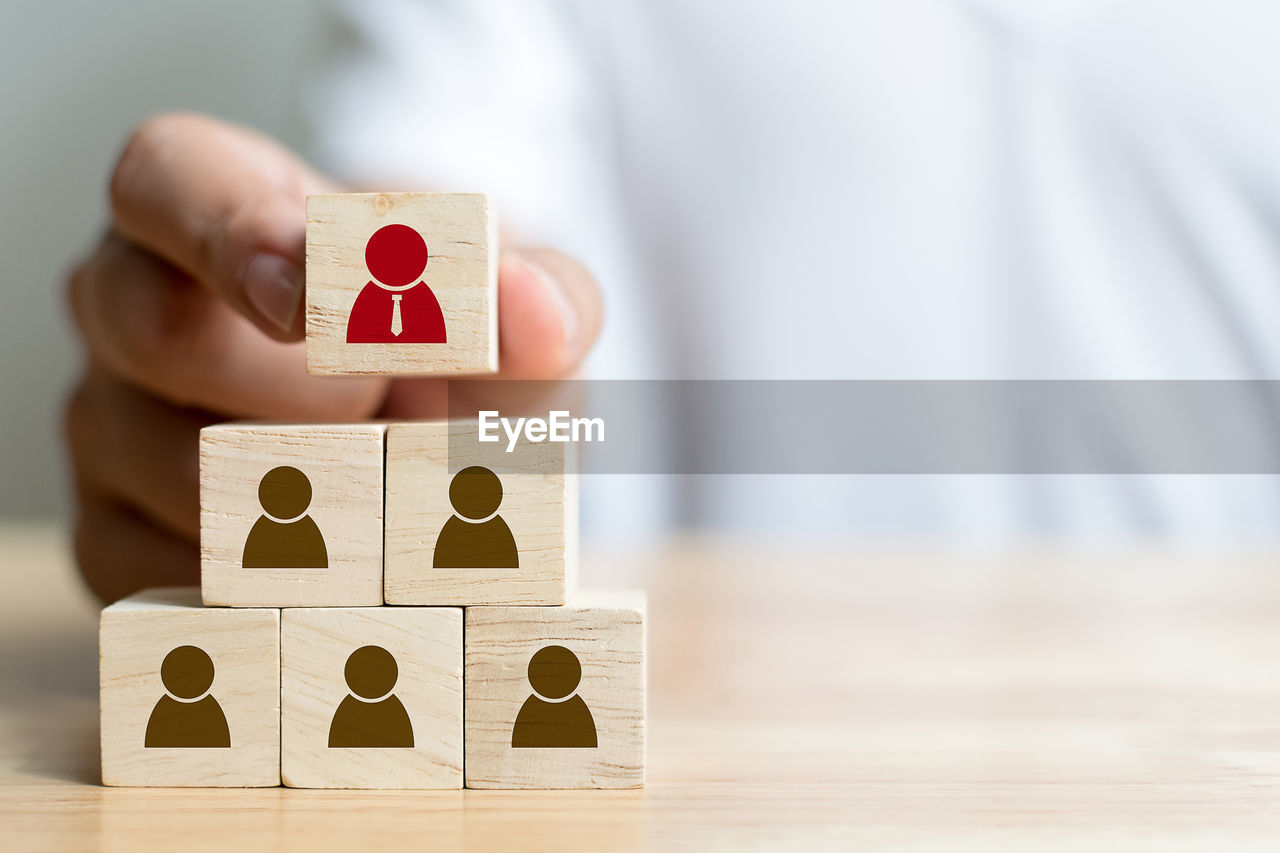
(401, 283)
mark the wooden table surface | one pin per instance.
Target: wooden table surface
(800, 698)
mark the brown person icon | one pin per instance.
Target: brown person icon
(371, 716)
(285, 537)
(182, 718)
(476, 537)
(548, 718)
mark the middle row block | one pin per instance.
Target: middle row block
(327, 515)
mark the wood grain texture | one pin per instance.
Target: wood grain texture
(539, 505)
(462, 272)
(344, 465)
(824, 695)
(426, 643)
(605, 631)
(135, 635)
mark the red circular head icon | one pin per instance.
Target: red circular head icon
(396, 255)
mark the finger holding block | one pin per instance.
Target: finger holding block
(371, 697)
(291, 515)
(470, 524)
(401, 283)
(555, 696)
(190, 696)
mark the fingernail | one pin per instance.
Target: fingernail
(564, 308)
(273, 286)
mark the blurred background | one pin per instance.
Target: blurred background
(76, 76)
(924, 189)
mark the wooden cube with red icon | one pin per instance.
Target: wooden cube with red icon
(401, 283)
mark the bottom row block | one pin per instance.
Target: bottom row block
(556, 695)
(373, 697)
(189, 696)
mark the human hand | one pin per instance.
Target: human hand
(189, 310)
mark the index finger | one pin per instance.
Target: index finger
(225, 205)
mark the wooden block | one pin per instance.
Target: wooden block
(371, 697)
(401, 283)
(190, 696)
(531, 721)
(522, 552)
(291, 515)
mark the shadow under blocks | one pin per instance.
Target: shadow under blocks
(377, 609)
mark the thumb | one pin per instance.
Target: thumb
(549, 313)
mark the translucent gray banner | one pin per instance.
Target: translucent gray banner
(876, 427)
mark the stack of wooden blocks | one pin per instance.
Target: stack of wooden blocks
(375, 612)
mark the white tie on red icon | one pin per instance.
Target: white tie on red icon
(396, 325)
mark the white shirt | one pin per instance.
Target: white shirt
(897, 189)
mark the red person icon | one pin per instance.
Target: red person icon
(396, 306)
